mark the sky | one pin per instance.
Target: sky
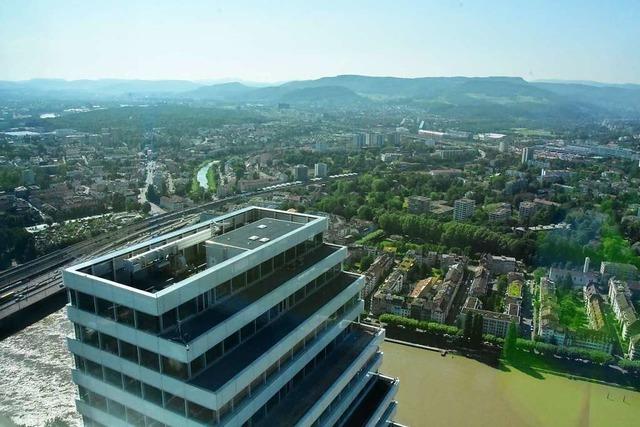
(281, 40)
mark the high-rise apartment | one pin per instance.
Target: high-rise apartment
(244, 320)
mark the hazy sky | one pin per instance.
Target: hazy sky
(283, 40)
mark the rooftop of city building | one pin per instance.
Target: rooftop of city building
(161, 262)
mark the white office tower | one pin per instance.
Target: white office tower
(243, 320)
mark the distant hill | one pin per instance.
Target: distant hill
(462, 97)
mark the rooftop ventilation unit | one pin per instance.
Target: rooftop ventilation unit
(264, 239)
(253, 238)
(262, 226)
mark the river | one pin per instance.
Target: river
(35, 386)
(456, 391)
(35, 374)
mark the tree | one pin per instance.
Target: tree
(152, 194)
(476, 330)
(146, 207)
(467, 329)
(509, 348)
(118, 202)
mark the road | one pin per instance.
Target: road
(142, 198)
(32, 281)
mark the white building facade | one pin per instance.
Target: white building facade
(243, 320)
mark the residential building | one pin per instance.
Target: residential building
(579, 278)
(300, 173)
(320, 170)
(501, 213)
(244, 319)
(172, 202)
(419, 204)
(493, 323)
(463, 209)
(527, 155)
(526, 209)
(622, 306)
(618, 270)
(359, 140)
(436, 298)
(375, 272)
(593, 303)
(548, 327)
(499, 264)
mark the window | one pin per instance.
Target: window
(83, 393)
(266, 267)
(278, 260)
(132, 385)
(86, 302)
(90, 336)
(93, 368)
(231, 341)
(99, 402)
(253, 274)
(73, 297)
(108, 343)
(154, 423)
(223, 290)
(197, 364)
(125, 315)
(262, 320)
(136, 418)
(147, 322)
(128, 351)
(152, 394)
(290, 255)
(112, 377)
(117, 409)
(203, 301)
(247, 331)
(149, 360)
(213, 353)
(170, 319)
(187, 309)
(174, 368)
(174, 403)
(105, 308)
(200, 413)
(79, 363)
(238, 282)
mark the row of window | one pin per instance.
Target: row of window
(115, 409)
(293, 384)
(193, 410)
(184, 371)
(169, 320)
(182, 406)
(346, 390)
(297, 349)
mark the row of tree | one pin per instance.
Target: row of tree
(468, 237)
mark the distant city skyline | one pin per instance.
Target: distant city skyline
(259, 41)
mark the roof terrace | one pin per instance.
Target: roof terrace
(159, 263)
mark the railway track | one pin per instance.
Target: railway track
(40, 278)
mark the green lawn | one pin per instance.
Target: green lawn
(371, 237)
(572, 311)
(515, 289)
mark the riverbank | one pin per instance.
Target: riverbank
(455, 391)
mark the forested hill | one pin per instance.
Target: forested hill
(464, 97)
